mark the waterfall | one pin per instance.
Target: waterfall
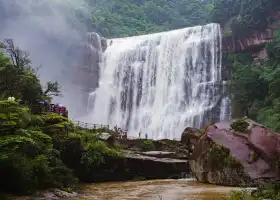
(160, 83)
(225, 109)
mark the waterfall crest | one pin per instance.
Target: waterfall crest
(160, 83)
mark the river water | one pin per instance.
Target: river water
(185, 189)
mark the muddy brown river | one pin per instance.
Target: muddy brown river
(185, 189)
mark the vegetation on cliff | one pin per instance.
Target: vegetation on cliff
(240, 18)
(113, 18)
(240, 125)
(35, 150)
(220, 157)
(255, 85)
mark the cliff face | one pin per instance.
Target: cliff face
(253, 43)
(86, 74)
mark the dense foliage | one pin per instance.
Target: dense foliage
(118, 18)
(35, 150)
(255, 85)
(239, 17)
(266, 191)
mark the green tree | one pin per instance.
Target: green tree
(19, 79)
(119, 18)
(255, 88)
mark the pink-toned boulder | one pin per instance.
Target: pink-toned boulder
(232, 157)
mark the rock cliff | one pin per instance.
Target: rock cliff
(141, 159)
(253, 42)
(234, 153)
(86, 74)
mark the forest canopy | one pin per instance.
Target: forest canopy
(120, 18)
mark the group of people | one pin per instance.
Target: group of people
(146, 135)
(55, 108)
(123, 133)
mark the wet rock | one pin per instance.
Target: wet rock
(54, 194)
(155, 159)
(164, 154)
(231, 153)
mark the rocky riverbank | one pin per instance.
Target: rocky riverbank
(141, 159)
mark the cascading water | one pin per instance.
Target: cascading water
(160, 83)
(225, 107)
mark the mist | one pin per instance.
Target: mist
(52, 32)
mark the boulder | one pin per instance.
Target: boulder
(189, 138)
(237, 152)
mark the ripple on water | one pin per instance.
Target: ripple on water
(183, 189)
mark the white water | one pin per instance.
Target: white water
(160, 83)
(225, 113)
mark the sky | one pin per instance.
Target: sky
(49, 30)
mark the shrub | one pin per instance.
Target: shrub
(148, 145)
(27, 158)
(241, 195)
(96, 152)
(240, 125)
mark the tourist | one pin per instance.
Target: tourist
(139, 134)
(146, 135)
(65, 113)
(125, 134)
(56, 108)
(62, 110)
